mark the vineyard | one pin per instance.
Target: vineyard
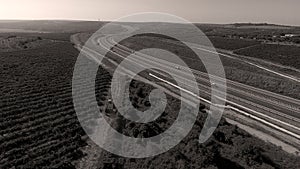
(39, 127)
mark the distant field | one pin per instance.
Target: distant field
(230, 43)
(257, 32)
(51, 26)
(257, 26)
(283, 54)
(13, 43)
(264, 27)
(49, 36)
(3, 30)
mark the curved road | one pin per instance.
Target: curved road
(277, 111)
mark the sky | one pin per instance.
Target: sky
(201, 11)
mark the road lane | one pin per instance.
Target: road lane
(284, 109)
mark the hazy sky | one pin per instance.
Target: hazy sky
(207, 11)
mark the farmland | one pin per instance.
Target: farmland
(257, 32)
(231, 43)
(281, 54)
(38, 123)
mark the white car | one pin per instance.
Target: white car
(214, 84)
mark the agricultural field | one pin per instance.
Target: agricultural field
(50, 26)
(258, 32)
(286, 55)
(231, 43)
(39, 127)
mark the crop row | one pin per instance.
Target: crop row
(39, 126)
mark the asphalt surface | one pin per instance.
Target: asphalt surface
(277, 111)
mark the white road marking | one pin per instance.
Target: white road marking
(236, 109)
(242, 112)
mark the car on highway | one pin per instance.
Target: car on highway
(214, 85)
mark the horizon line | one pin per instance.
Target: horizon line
(99, 20)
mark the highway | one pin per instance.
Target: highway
(279, 112)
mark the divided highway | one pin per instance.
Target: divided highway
(279, 112)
